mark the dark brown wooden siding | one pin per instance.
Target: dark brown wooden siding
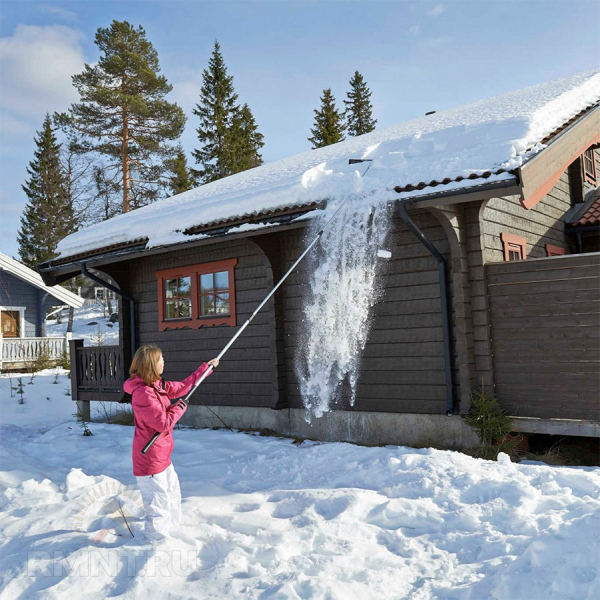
(403, 365)
(545, 323)
(247, 372)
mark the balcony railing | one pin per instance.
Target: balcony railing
(16, 353)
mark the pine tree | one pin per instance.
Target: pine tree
(48, 214)
(359, 111)
(180, 178)
(228, 133)
(329, 124)
(123, 114)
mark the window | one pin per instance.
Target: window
(514, 246)
(554, 250)
(103, 294)
(589, 166)
(197, 296)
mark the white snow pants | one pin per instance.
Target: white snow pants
(161, 496)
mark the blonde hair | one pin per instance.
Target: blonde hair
(145, 364)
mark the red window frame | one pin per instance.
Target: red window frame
(554, 250)
(514, 246)
(196, 320)
(589, 167)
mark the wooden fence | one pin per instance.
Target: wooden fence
(23, 353)
(545, 330)
(97, 372)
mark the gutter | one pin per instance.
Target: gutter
(444, 300)
(120, 293)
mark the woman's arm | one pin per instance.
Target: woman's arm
(177, 389)
(149, 410)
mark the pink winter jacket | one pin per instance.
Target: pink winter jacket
(153, 412)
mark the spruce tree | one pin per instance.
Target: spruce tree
(180, 178)
(228, 133)
(48, 214)
(329, 124)
(359, 111)
(244, 141)
(123, 113)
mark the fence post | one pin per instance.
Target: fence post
(83, 406)
(67, 341)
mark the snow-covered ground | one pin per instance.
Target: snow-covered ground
(89, 324)
(266, 518)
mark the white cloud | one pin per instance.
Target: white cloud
(36, 65)
(436, 11)
(415, 30)
(61, 13)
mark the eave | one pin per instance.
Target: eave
(540, 174)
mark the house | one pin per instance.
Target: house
(493, 279)
(24, 302)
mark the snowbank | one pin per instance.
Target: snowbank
(264, 518)
(89, 324)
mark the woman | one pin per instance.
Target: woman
(151, 402)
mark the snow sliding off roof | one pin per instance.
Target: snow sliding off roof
(496, 134)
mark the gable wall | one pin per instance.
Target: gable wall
(543, 224)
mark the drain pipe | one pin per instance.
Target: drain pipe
(445, 303)
(123, 295)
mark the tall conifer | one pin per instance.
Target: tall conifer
(123, 113)
(48, 214)
(359, 111)
(244, 141)
(329, 123)
(180, 178)
(228, 133)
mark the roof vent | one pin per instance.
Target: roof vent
(431, 112)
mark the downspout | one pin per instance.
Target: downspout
(444, 300)
(123, 295)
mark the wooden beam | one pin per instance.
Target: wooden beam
(543, 171)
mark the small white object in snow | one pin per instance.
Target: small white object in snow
(384, 253)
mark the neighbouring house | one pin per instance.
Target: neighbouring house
(494, 278)
(25, 301)
(95, 292)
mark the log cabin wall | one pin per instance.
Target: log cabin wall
(247, 372)
(402, 369)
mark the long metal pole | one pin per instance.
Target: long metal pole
(235, 337)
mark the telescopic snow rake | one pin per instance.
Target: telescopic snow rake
(210, 368)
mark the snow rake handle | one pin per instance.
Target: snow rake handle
(235, 337)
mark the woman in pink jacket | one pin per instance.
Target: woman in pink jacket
(152, 409)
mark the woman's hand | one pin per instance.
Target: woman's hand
(214, 363)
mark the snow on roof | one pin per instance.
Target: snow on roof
(14, 267)
(497, 134)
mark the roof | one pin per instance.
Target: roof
(14, 267)
(591, 216)
(586, 212)
(449, 150)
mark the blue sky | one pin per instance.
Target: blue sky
(416, 56)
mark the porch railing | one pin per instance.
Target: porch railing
(97, 372)
(24, 352)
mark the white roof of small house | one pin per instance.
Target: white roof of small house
(487, 138)
(14, 267)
